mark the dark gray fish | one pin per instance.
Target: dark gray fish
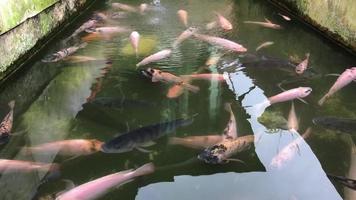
(60, 55)
(142, 136)
(118, 102)
(6, 124)
(350, 183)
(87, 25)
(334, 123)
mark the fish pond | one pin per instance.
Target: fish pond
(99, 93)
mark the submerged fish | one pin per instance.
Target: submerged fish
(6, 124)
(79, 59)
(197, 142)
(293, 124)
(142, 136)
(15, 166)
(183, 17)
(87, 25)
(267, 24)
(124, 7)
(60, 55)
(335, 123)
(221, 152)
(350, 183)
(109, 30)
(344, 79)
(288, 152)
(159, 76)
(296, 93)
(99, 187)
(74, 147)
(285, 17)
(134, 39)
(230, 130)
(209, 77)
(227, 44)
(264, 45)
(183, 36)
(118, 102)
(155, 57)
(223, 22)
(303, 65)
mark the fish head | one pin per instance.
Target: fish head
(239, 48)
(304, 91)
(117, 146)
(96, 145)
(213, 155)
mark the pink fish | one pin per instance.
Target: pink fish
(209, 77)
(267, 24)
(74, 147)
(183, 17)
(293, 124)
(196, 142)
(344, 79)
(134, 39)
(183, 36)
(15, 166)
(110, 30)
(296, 93)
(288, 152)
(227, 44)
(155, 57)
(223, 22)
(303, 65)
(175, 91)
(124, 7)
(99, 187)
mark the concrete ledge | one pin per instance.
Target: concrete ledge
(23, 41)
(334, 19)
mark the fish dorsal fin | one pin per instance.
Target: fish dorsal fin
(268, 21)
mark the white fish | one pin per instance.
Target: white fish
(110, 30)
(99, 187)
(183, 17)
(285, 17)
(296, 93)
(267, 24)
(227, 44)
(155, 57)
(344, 79)
(288, 152)
(223, 22)
(184, 35)
(134, 39)
(265, 44)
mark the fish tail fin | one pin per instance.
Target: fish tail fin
(322, 100)
(11, 104)
(174, 140)
(191, 88)
(145, 169)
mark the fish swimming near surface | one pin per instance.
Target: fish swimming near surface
(87, 25)
(159, 76)
(109, 30)
(99, 187)
(6, 124)
(303, 65)
(266, 24)
(141, 137)
(336, 123)
(344, 79)
(60, 55)
(124, 7)
(183, 17)
(296, 93)
(75, 147)
(16, 166)
(226, 44)
(223, 22)
(183, 36)
(134, 39)
(264, 45)
(221, 152)
(155, 57)
(288, 152)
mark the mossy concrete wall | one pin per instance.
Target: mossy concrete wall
(336, 19)
(25, 38)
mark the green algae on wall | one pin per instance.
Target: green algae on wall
(13, 13)
(335, 18)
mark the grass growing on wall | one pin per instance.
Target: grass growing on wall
(12, 12)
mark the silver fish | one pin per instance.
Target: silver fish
(99, 187)
(60, 55)
(267, 24)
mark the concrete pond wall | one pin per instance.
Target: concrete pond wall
(26, 26)
(335, 19)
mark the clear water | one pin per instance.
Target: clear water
(51, 105)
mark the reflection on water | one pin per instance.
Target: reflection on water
(98, 94)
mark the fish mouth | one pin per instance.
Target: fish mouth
(147, 72)
(207, 157)
(309, 90)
